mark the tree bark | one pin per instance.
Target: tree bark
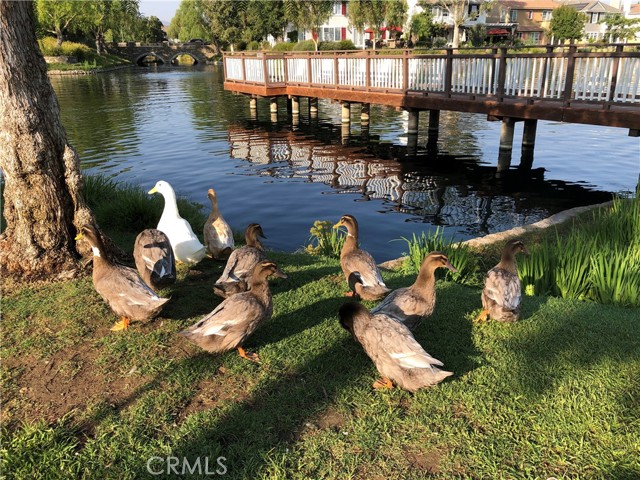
(43, 203)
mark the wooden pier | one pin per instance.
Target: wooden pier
(559, 83)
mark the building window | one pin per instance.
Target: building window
(513, 15)
(530, 14)
(534, 37)
(337, 8)
(592, 36)
(330, 34)
(546, 15)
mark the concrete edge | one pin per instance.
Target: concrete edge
(505, 235)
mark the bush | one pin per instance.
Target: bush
(253, 45)
(283, 47)
(325, 240)
(49, 48)
(304, 46)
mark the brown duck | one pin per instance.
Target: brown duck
(502, 295)
(359, 268)
(120, 286)
(410, 305)
(154, 258)
(237, 272)
(237, 317)
(390, 345)
(218, 236)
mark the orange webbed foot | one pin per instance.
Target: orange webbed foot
(252, 357)
(123, 324)
(483, 316)
(382, 384)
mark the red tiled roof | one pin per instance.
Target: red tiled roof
(635, 9)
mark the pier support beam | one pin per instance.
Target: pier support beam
(346, 112)
(414, 117)
(365, 109)
(313, 107)
(528, 144)
(273, 104)
(345, 133)
(295, 105)
(434, 129)
(506, 144)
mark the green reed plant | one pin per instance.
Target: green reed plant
(599, 260)
(571, 264)
(459, 255)
(537, 270)
(325, 240)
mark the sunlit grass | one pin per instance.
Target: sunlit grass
(553, 395)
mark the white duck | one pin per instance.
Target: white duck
(186, 246)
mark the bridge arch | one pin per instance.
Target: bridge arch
(140, 58)
(174, 58)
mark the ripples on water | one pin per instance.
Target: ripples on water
(180, 126)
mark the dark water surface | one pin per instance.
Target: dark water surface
(179, 125)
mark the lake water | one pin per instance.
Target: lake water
(179, 125)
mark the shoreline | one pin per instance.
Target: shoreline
(93, 71)
(492, 238)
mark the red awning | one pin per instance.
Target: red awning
(368, 30)
(397, 29)
(498, 31)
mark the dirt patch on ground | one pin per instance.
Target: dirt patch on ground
(330, 418)
(426, 462)
(214, 391)
(48, 389)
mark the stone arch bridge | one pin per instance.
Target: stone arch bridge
(164, 52)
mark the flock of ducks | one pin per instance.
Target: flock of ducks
(385, 331)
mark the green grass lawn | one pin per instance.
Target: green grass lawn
(555, 395)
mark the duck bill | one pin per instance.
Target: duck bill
(525, 250)
(79, 236)
(280, 274)
(153, 190)
(337, 225)
(451, 267)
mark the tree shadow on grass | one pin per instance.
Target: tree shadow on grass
(272, 416)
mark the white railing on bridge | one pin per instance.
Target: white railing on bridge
(593, 76)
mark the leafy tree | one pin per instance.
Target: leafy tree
(567, 23)
(477, 35)
(308, 15)
(151, 29)
(264, 18)
(458, 11)
(190, 21)
(56, 16)
(43, 202)
(99, 16)
(422, 26)
(620, 28)
(377, 13)
(226, 21)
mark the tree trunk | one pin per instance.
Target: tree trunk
(456, 36)
(59, 37)
(43, 203)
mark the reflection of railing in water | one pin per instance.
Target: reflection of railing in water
(440, 190)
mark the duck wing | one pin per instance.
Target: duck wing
(240, 264)
(154, 258)
(127, 294)
(227, 326)
(362, 262)
(503, 288)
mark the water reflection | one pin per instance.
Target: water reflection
(434, 188)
